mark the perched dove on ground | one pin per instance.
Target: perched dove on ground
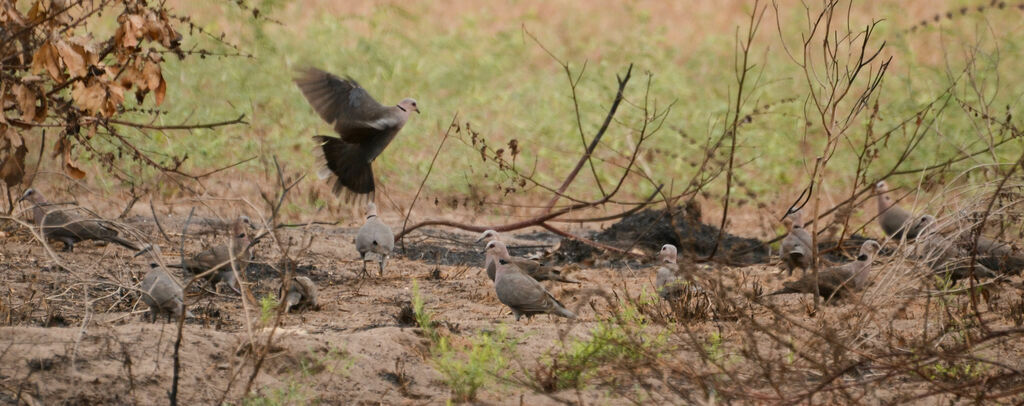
(944, 257)
(302, 293)
(365, 126)
(839, 280)
(668, 283)
(218, 260)
(517, 290)
(374, 237)
(1000, 256)
(894, 219)
(796, 247)
(162, 293)
(537, 270)
(69, 228)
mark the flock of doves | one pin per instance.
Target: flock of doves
(366, 127)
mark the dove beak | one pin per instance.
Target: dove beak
(417, 110)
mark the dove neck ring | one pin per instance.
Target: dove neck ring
(401, 108)
(371, 216)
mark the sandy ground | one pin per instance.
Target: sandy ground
(80, 337)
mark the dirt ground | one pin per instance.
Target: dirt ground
(80, 337)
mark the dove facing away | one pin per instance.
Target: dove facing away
(366, 127)
(535, 269)
(894, 219)
(302, 293)
(162, 293)
(217, 261)
(840, 280)
(517, 290)
(69, 228)
(374, 237)
(796, 247)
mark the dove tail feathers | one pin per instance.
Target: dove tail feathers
(562, 311)
(350, 173)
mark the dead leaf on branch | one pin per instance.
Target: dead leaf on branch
(47, 59)
(26, 102)
(12, 156)
(69, 164)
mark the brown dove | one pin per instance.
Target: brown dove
(218, 260)
(944, 257)
(837, 281)
(894, 219)
(69, 228)
(796, 247)
(536, 270)
(162, 293)
(302, 293)
(520, 292)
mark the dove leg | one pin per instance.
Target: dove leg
(362, 258)
(381, 263)
(69, 244)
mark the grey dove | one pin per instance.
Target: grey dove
(162, 293)
(217, 261)
(894, 219)
(69, 228)
(668, 283)
(366, 127)
(840, 280)
(520, 292)
(535, 269)
(944, 257)
(374, 237)
(1000, 256)
(302, 293)
(796, 247)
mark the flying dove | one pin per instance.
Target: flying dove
(302, 293)
(69, 228)
(365, 126)
(517, 290)
(894, 219)
(162, 293)
(216, 262)
(374, 237)
(537, 270)
(837, 281)
(944, 257)
(796, 247)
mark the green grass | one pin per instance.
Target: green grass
(477, 62)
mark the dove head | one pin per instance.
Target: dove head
(868, 250)
(797, 219)
(33, 196)
(239, 232)
(498, 250)
(667, 254)
(488, 235)
(371, 210)
(408, 105)
(924, 224)
(882, 189)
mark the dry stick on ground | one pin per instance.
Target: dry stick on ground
(430, 168)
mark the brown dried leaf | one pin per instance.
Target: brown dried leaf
(151, 72)
(160, 91)
(46, 59)
(12, 156)
(70, 166)
(89, 98)
(130, 31)
(26, 101)
(75, 61)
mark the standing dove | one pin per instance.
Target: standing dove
(668, 283)
(374, 237)
(162, 293)
(517, 290)
(217, 262)
(365, 126)
(837, 281)
(302, 293)
(893, 218)
(537, 270)
(997, 255)
(65, 226)
(796, 247)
